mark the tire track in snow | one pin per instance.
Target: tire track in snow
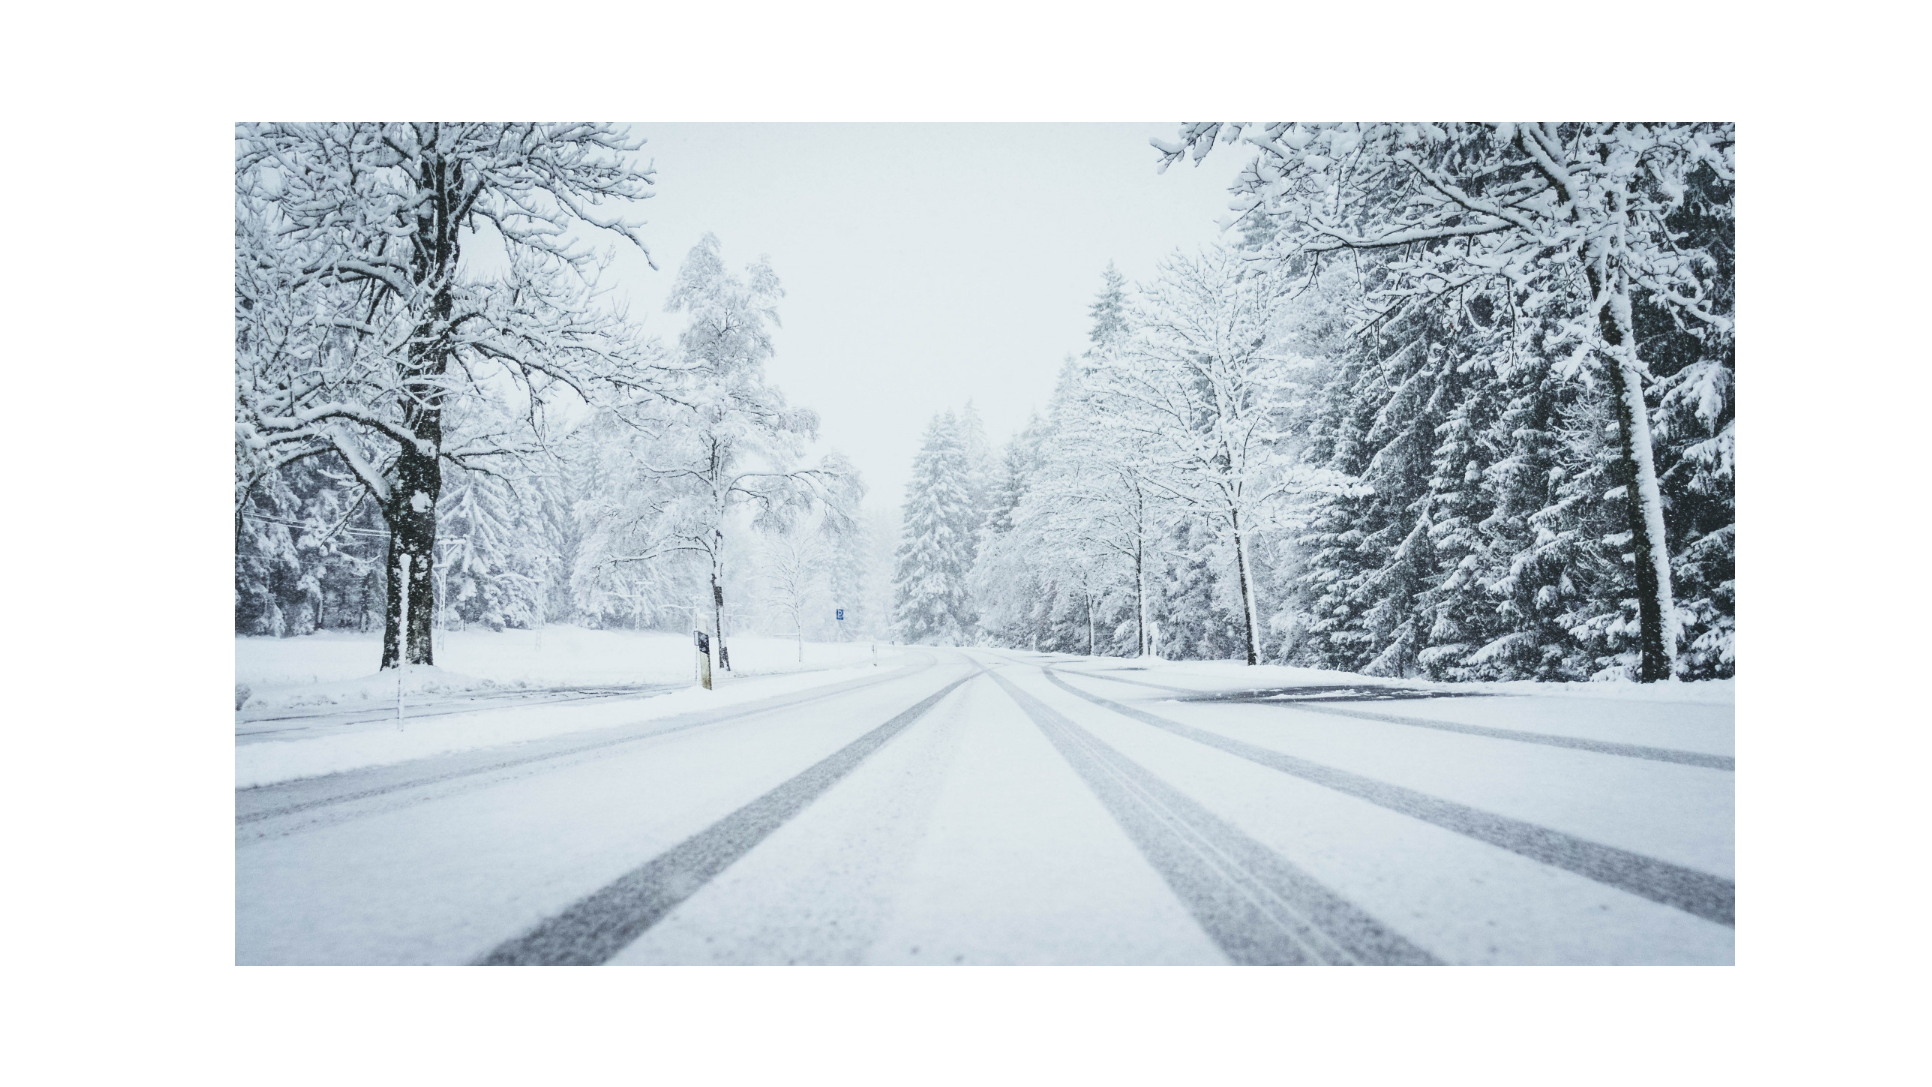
(1259, 907)
(343, 720)
(286, 798)
(1697, 893)
(1603, 747)
(599, 925)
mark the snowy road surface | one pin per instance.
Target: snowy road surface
(972, 806)
(261, 726)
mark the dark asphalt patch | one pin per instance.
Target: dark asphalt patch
(1697, 893)
(605, 922)
(1254, 903)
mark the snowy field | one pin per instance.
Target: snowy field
(1233, 674)
(335, 666)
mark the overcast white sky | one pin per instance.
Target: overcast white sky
(923, 264)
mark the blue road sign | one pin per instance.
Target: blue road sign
(841, 615)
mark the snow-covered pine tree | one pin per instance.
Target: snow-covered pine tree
(1004, 584)
(495, 561)
(1020, 464)
(982, 468)
(931, 602)
(1518, 558)
(1108, 311)
(1583, 222)
(1455, 611)
(307, 553)
(1372, 427)
(1694, 426)
(1199, 618)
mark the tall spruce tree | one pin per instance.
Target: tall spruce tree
(1108, 310)
(931, 602)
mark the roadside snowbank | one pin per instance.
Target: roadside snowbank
(1234, 675)
(335, 667)
(283, 760)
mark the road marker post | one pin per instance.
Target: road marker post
(704, 659)
(402, 637)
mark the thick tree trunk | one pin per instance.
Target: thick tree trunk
(1656, 612)
(411, 506)
(411, 516)
(1248, 610)
(717, 600)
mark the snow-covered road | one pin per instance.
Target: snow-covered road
(992, 807)
(269, 726)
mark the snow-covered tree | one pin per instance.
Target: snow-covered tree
(793, 567)
(1068, 510)
(722, 441)
(411, 297)
(1203, 389)
(852, 567)
(1108, 311)
(1179, 411)
(496, 560)
(982, 467)
(1565, 220)
(931, 600)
